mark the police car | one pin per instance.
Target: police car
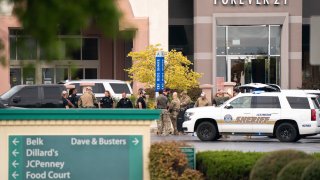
(288, 116)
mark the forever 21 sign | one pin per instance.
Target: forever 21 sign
(250, 2)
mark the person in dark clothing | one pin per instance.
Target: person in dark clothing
(141, 103)
(106, 101)
(124, 102)
(65, 101)
(73, 98)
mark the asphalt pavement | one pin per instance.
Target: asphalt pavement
(244, 143)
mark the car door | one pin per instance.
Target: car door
(235, 116)
(27, 97)
(266, 110)
(52, 97)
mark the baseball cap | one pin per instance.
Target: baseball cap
(203, 94)
(89, 88)
(64, 92)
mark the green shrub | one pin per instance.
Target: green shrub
(316, 155)
(168, 162)
(294, 169)
(194, 93)
(271, 164)
(190, 174)
(312, 171)
(227, 164)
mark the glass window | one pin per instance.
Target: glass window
(76, 74)
(61, 74)
(11, 92)
(315, 103)
(298, 102)
(222, 67)
(28, 93)
(13, 48)
(248, 40)
(221, 40)
(266, 102)
(70, 48)
(26, 48)
(52, 92)
(29, 76)
(47, 76)
(274, 70)
(98, 88)
(275, 40)
(120, 88)
(241, 102)
(90, 49)
(91, 73)
(15, 76)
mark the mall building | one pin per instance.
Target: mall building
(229, 41)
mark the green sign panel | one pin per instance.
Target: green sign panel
(191, 156)
(75, 157)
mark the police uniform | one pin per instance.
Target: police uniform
(124, 103)
(174, 109)
(164, 123)
(106, 102)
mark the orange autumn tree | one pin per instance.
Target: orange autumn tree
(178, 74)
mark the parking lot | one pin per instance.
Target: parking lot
(243, 143)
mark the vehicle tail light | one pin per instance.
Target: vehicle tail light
(313, 115)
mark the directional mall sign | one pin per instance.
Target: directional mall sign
(75, 157)
(159, 71)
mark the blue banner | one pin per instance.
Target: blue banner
(159, 71)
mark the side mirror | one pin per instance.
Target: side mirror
(228, 106)
(16, 99)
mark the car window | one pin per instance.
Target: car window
(98, 88)
(265, 102)
(298, 102)
(52, 92)
(241, 102)
(315, 103)
(11, 92)
(28, 93)
(120, 88)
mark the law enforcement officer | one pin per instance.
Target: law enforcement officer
(164, 123)
(174, 109)
(106, 101)
(185, 102)
(124, 102)
(202, 101)
(88, 99)
(73, 97)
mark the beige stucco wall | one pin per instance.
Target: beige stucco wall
(157, 13)
(207, 16)
(117, 127)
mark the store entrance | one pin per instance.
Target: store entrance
(251, 69)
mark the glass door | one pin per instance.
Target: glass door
(248, 69)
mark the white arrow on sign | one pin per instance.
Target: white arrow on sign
(15, 152)
(15, 141)
(15, 175)
(135, 141)
(15, 164)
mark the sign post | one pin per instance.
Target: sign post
(159, 71)
(75, 157)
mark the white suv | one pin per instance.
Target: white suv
(115, 87)
(288, 116)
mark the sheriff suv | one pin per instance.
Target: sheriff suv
(288, 116)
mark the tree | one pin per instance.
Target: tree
(45, 20)
(178, 74)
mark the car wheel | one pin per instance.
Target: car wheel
(206, 131)
(287, 132)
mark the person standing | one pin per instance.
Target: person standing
(106, 101)
(202, 101)
(124, 102)
(141, 103)
(65, 101)
(164, 123)
(88, 99)
(185, 102)
(220, 98)
(73, 98)
(174, 109)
